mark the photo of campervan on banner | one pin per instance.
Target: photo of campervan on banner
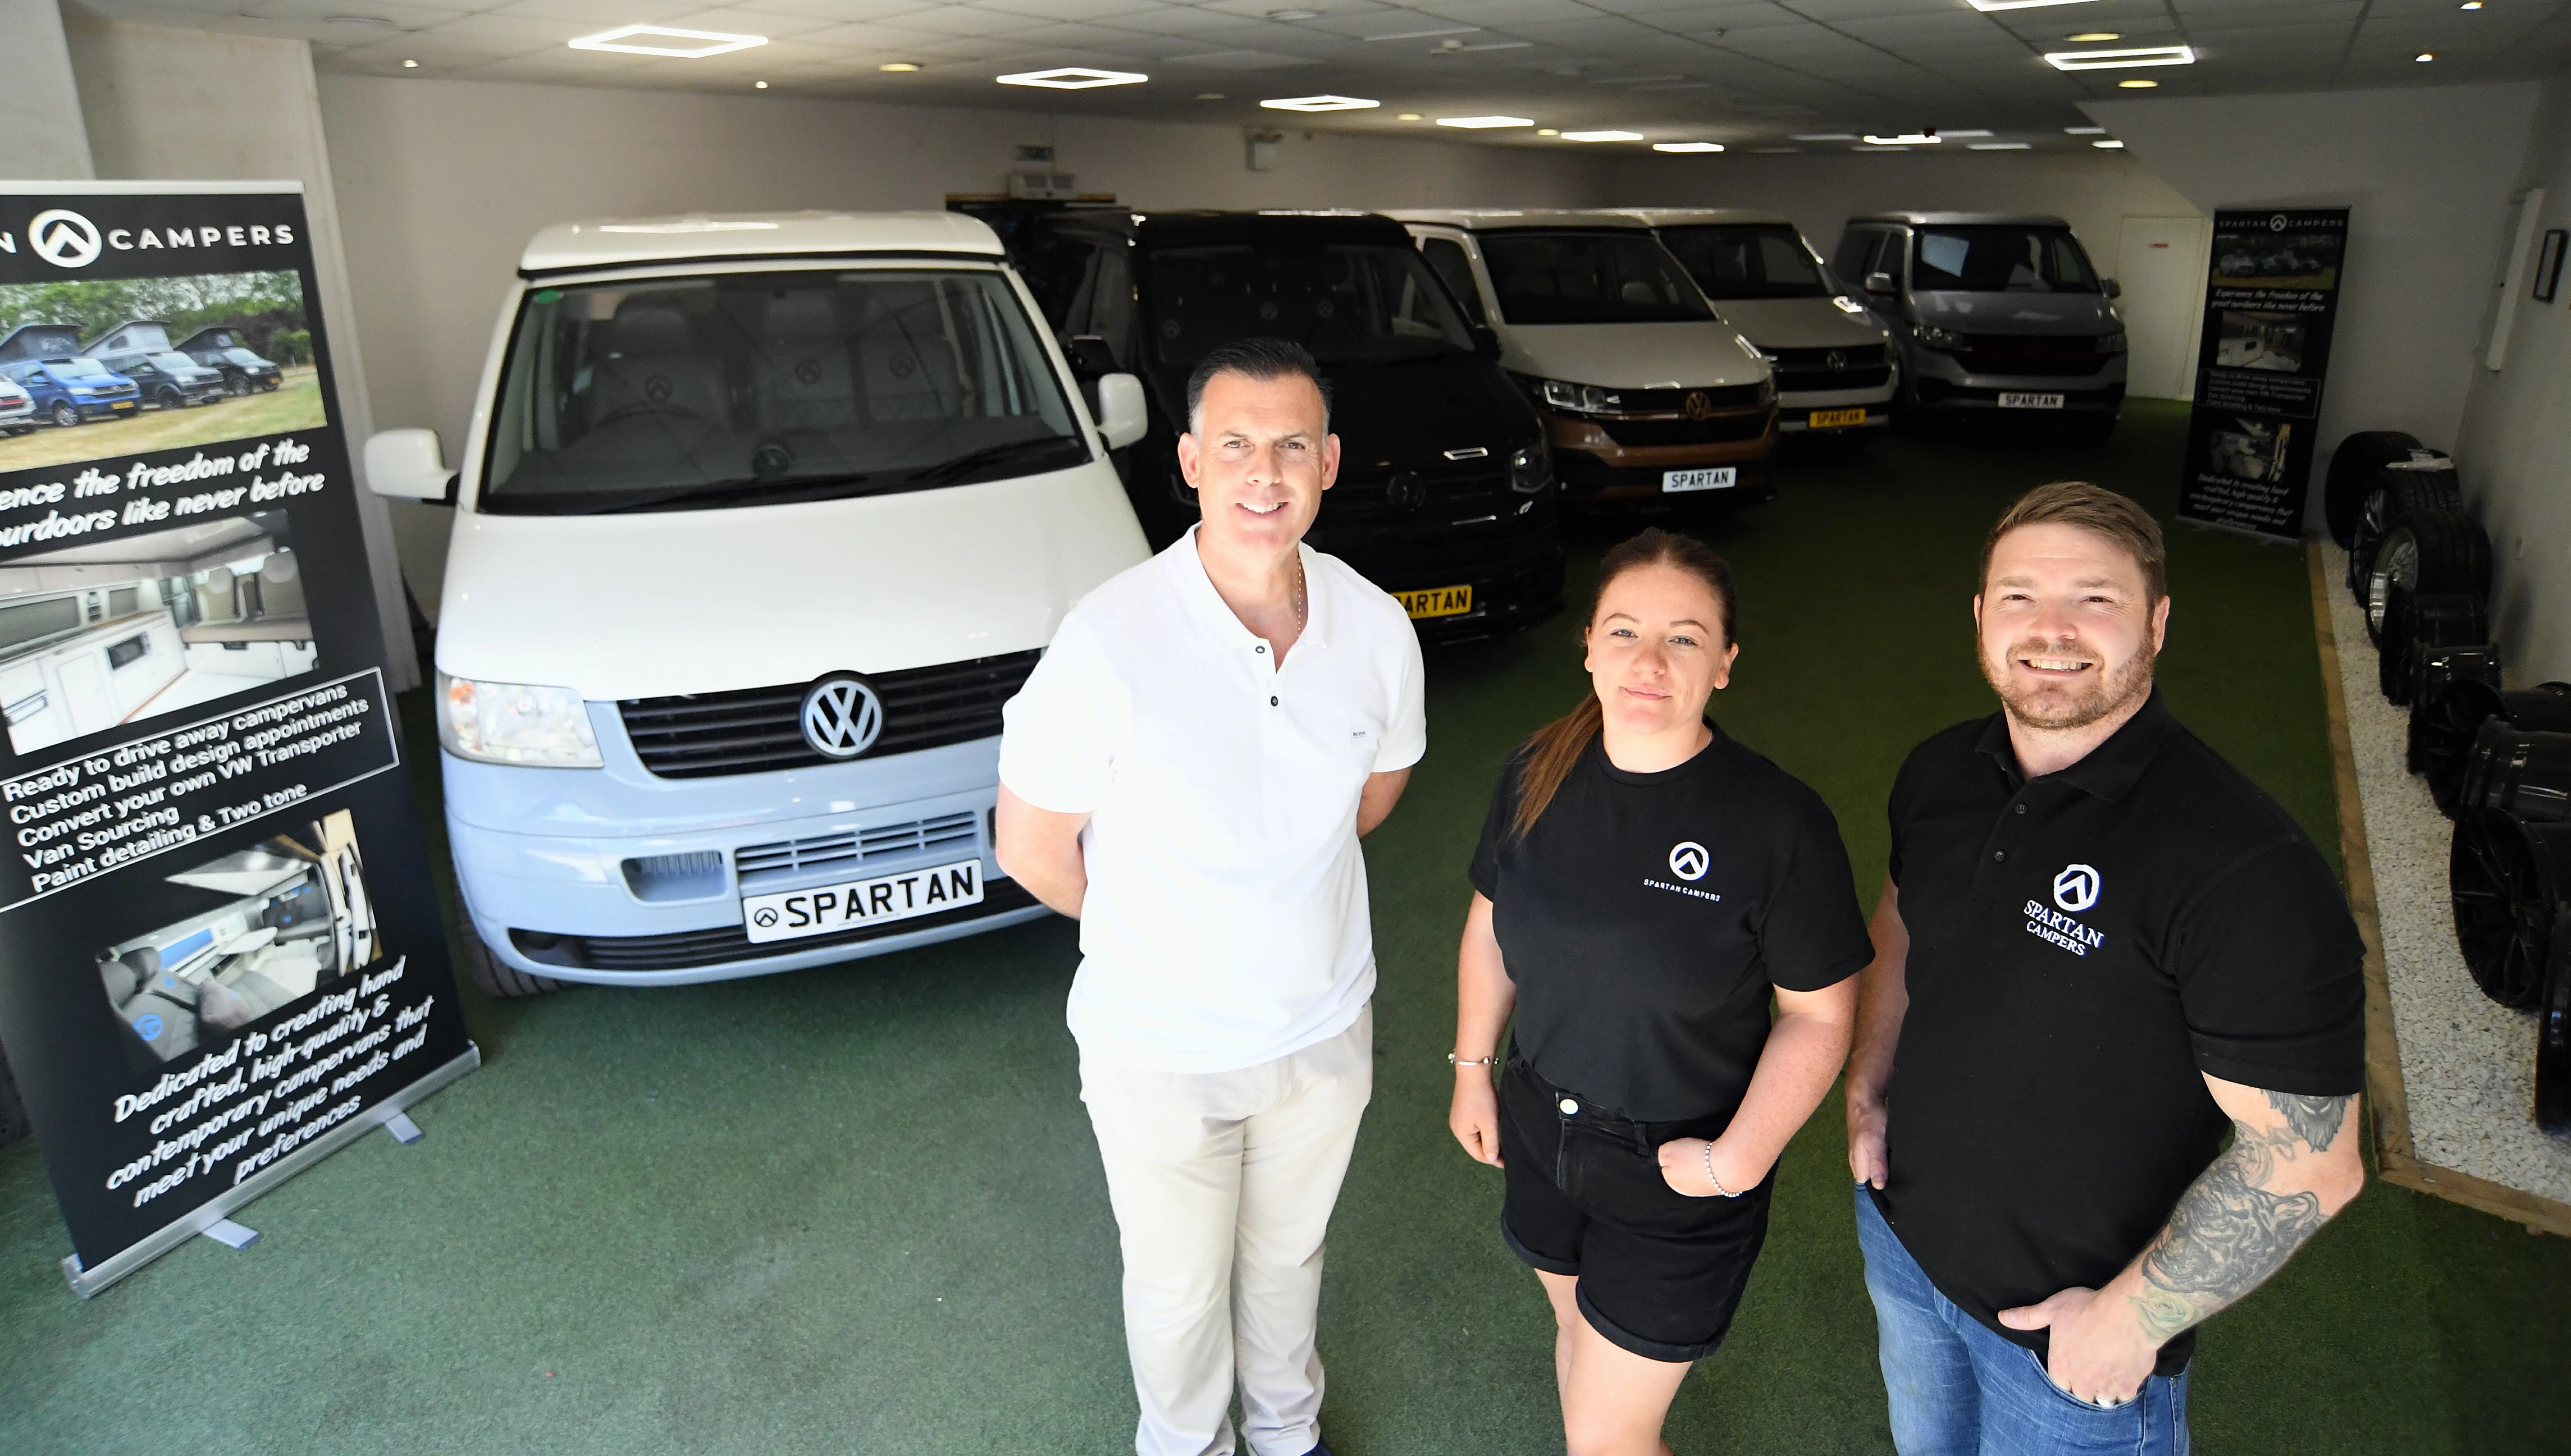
(221, 952)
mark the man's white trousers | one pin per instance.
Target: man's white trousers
(1223, 1183)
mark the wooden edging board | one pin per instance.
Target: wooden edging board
(2396, 1160)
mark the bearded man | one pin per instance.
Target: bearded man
(2099, 949)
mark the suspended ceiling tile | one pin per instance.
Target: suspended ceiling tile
(1070, 10)
(595, 15)
(967, 20)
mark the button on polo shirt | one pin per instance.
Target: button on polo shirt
(1226, 923)
(2084, 947)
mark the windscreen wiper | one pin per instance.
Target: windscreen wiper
(733, 492)
(972, 460)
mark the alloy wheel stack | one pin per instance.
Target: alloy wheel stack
(2497, 760)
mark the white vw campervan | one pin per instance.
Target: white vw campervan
(758, 522)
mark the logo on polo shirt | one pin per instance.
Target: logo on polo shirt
(1688, 860)
(2076, 888)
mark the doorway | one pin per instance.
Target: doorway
(2161, 263)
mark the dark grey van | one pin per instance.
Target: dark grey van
(1997, 315)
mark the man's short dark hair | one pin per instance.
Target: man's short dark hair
(2095, 509)
(1263, 360)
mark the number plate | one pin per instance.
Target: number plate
(1436, 601)
(1722, 478)
(1830, 419)
(2030, 402)
(794, 914)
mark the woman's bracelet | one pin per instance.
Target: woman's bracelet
(1709, 1172)
(1492, 1060)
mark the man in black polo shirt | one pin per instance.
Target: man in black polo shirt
(2101, 948)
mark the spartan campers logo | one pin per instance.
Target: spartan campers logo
(68, 239)
(1688, 861)
(2074, 890)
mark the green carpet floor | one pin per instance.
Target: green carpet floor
(857, 1210)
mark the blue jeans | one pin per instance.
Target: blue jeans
(1957, 1389)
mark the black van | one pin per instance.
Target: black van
(1445, 494)
(225, 351)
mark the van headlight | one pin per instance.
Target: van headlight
(1530, 468)
(2112, 343)
(1945, 340)
(1579, 399)
(513, 722)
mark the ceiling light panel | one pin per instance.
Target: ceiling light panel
(1073, 78)
(1687, 146)
(1484, 124)
(1998, 146)
(1320, 103)
(662, 40)
(1905, 138)
(1602, 136)
(2120, 60)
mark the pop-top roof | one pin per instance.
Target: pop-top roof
(1501, 220)
(609, 242)
(1705, 217)
(1964, 220)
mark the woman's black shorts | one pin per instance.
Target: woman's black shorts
(1660, 1273)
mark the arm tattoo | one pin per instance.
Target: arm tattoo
(2229, 1231)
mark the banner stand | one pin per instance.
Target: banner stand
(2272, 283)
(87, 1283)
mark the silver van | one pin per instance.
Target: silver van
(1996, 314)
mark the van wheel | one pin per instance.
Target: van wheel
(497, 978)
(236, 384)
(169, 397)
(66, 414)
(2429, 551)
(2352, 472)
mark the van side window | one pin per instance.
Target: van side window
(1058, 275)
(1446, 258)
(1849, 260)
(1111, 304)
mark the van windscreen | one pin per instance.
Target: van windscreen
(2002, 258)
(1589, 278)
(1755, 262)
(762, 388)
(1346, 302)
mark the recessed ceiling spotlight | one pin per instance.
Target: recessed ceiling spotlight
(1905, 138)
(760, 84)
(899, 68)
(2425, 57)
(411, 64)
(2471, 5)
(2084, 131)
(1483, 124)
(1602, 136)
(1410, 116)
(1825, 135)
(2094, 37)
(2138, 84)
(2109, 144)
(2120, 60)
(664, 40)
(2019, 4)
(1293, 15)
(1320, 103)
(1687, 146)
(1073, 78)
(1999, 147)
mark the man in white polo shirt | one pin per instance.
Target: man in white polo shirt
(1186, 772)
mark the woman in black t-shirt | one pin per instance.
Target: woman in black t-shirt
(1643, 886)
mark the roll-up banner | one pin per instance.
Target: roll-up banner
(221, 957)
(2270, 299)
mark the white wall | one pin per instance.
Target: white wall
(444, 180)
(2426, 173)
(195, 105)
(2514, 448)
(39, 100)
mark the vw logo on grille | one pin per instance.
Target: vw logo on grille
(1697, 406)
(1405, 492)
(842, 716)
(1835, 360)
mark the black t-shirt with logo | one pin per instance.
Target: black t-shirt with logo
(1645, 918)
(2084, 947)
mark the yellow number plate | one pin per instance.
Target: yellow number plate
(1825, 419)
(1436, 601)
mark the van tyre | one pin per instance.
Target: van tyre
(2427, 551)
(496, 978)
(2420, 628)
(2508, 884)
(2353, 469)
(238, 385)
(2394, 495)
(66, 414)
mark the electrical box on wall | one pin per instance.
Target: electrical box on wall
(1042, 186)
(1262, 143)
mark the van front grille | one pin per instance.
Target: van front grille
(857, 846)
(689, 949)
(1644, 435)
(760, 729)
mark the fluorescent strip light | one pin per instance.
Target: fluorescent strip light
(1480, 124)
(1998, 146)
(1989, 5)
(1320, 103)
(2110, 145)
(1421, 35)
(1906, 139)
(2120, 60)
(2084, 131)
(1687, 146)
(1602, 136)
(1073, 78)
(706, 42)
(1978, 132)
(1825, 135)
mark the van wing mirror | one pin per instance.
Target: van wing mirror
(1486, 340)
(409, 465)
(1879, 281)
(2114, 289)
(1122, 416)
(1091, 358)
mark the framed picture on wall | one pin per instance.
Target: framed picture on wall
(2548, 265)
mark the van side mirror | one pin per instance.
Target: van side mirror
(1091, 358)
(2114, 289)
(409, 465)
(1486, 340)
(1122, 416)
(1879, 281)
